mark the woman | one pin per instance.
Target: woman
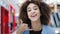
(36, 16)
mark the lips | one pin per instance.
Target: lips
(34, 15)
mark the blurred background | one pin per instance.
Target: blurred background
(9, 13)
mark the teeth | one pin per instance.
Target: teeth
(33, 15)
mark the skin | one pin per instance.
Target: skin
(33, 13)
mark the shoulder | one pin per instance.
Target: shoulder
(48, 29)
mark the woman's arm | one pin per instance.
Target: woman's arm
(22, 28)
(18, 32)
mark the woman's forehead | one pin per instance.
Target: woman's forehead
(31, 5)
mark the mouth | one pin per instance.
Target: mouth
(34, 15)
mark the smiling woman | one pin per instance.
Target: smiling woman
(36, 16)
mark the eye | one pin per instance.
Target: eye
(28, 10)
(35, 8)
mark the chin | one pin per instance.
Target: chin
(34, 19)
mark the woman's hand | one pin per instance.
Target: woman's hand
(22, 27)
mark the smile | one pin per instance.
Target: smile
(34, 15)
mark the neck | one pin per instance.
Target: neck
(36, 25)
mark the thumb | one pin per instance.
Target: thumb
(21, 22)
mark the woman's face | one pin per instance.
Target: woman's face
(33, 12)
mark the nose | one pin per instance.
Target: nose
(32, 11)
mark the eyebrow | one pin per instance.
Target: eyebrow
(33, 7)
(28, 8)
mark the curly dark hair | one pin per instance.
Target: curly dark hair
(44, 10)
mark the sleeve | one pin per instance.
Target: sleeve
(51, 30)
(25, 32)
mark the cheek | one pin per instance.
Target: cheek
(28, 14)
(38, 12)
